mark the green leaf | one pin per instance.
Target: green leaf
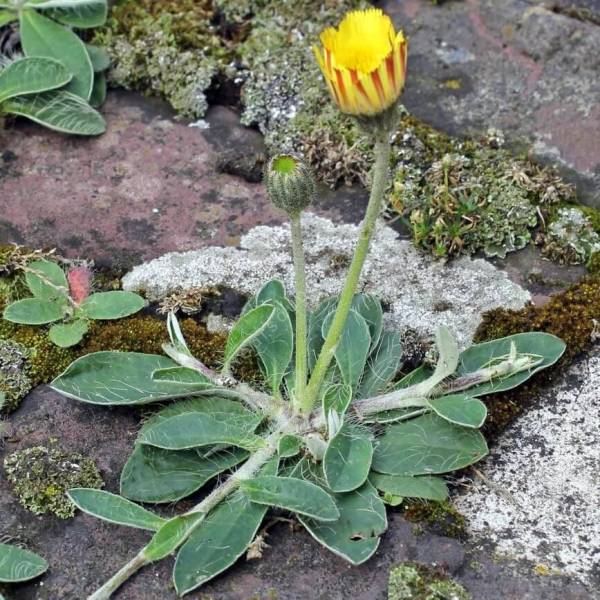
(17, 564)
(406, 486)
(112, 305)
(421, 373)
(98, 96)
(382, 365)
(180, 375)
(274, 345)
(66, 335)
(58, 110)
(45, 280)
(120, 378)
(33, 311)
(41, 36)
(369, 308)
(460, 409)
(546, 346)
(32, 75)
(315, 329)
(347, 460)
(245, 330)
(288, 446)
(7, 16)
(337, 398)
(99, 57)
(171, 535)
(427, 445)
(273, 292)
(156, 475)
(76, 13)
(218, 421)
(220, 540)
(356, 534)
(296, 495)
(114, 509)
(353, 348)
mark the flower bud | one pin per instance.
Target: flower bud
(290, 184)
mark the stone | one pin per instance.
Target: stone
(542, 501)
(416, 290)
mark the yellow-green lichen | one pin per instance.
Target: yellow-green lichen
(40, 477)
(15, 382)
(416, 582)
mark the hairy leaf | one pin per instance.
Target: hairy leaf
(353, 348)
(427, 444)
(114, 509)
(220, 540)
(99, 89)
(7, 16)
(315, 329)
(41, 36)
(77, 13)
(246, 329)
(157, 475)
(355, 535)
(32, 75)
(347, 460)
(99, 57)
(171, 535)
(33, 311)
(58, 110)
(181, 375)
(118, 378)
(112, 305)
(17, 564)
(382, 364)
(289, 445)
(66, 335)
(296, 495)
(543, 347)
(460, 409)
(369, 308)
(46, 280)
(406, 486)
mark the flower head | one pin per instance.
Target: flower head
(290, 183)
(364, 62)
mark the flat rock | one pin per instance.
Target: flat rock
(529, 68)
(544, 499)
(418, 291)
(83, 552)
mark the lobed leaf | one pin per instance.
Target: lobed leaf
(121, 378)
(296, 495)
(17, 564)
(157, 475)
(31, 75)
(112, 305)
(114, 509)
(427, 445)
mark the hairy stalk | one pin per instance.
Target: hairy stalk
(220, 493)
(301, 328)
(380, 178)
(412, 396)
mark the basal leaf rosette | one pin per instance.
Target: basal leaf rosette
(364, 62)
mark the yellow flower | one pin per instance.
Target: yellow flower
(364, 62)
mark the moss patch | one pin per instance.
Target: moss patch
(416, 582)
(573, 315)
(40, 477)
(442, 517)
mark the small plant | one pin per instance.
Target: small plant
(330, 435)
(17, 564)
(67, 298)
(60, 78)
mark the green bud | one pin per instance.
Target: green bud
(290, 184)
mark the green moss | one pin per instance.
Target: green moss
(40, 477)
(416, 582)
(573, 315)
(441, 517)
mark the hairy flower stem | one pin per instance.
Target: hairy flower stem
(220, 493)
(380, 179)
(301, 328)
